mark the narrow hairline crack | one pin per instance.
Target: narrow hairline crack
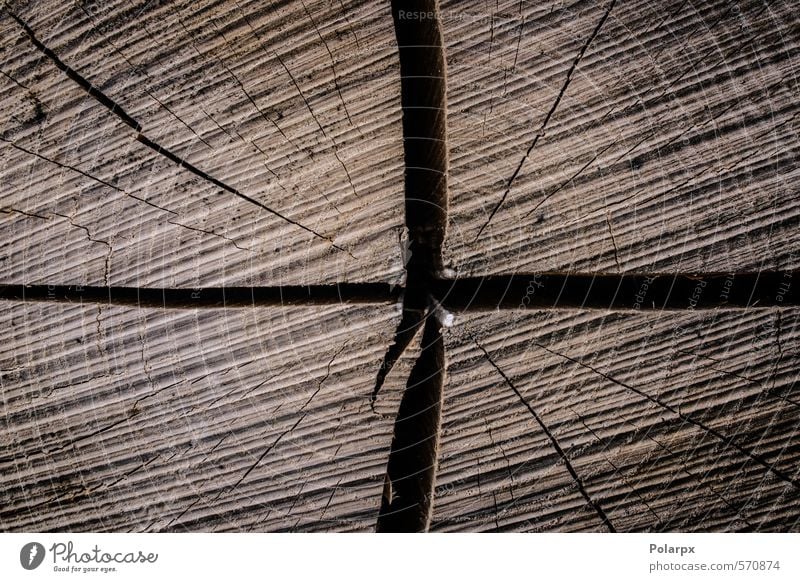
(728, 441)
(115, 188)
(117, 110)
(553, 441)
(550, 112)
(424, 288)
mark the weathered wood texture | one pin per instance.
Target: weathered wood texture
(640, 136)
(296, 106)
(116, 419)
(673, 147)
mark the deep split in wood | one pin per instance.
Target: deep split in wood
(604, 292)
(411, 470)
(410, 477)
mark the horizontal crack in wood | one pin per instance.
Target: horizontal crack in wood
(587, 291)
(209, 297)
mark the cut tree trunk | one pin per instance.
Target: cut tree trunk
(228, 143)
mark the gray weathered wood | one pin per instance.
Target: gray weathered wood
(584, 137)
(673, 147)
(648, 468)
(148, 420)
(206, 81)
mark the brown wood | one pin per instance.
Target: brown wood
(665, 417)
(157, 149)
(673, 147)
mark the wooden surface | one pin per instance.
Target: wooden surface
(117, 419)
(206, 81)
(673, 147)
(667, 141)
(645, 465)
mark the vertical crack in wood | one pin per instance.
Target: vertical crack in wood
(407, 329)
(423, 95)
(411, 472)
(408, 492)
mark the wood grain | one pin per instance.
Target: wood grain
(232, 143)
(647, 467)
(673, 147)
(152, 420)
(250, 95)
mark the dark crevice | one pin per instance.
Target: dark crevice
(409, 482)
(406, 331)
(411, 472)
(606, 292)
(93, 91)
(117, 110)
(659, 291)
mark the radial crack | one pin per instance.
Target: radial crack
(211, 233)
(85, 174)
(407, 500)
(87, 86)
(208, 178)
(550, 112)
(333, 65)
(408, 486)
(264, 454)
(117, 110)
(325, 377)
(729, 441)
(407, 329)
(553, 441)
(207, 297)
(612, 292)
(109, 251)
